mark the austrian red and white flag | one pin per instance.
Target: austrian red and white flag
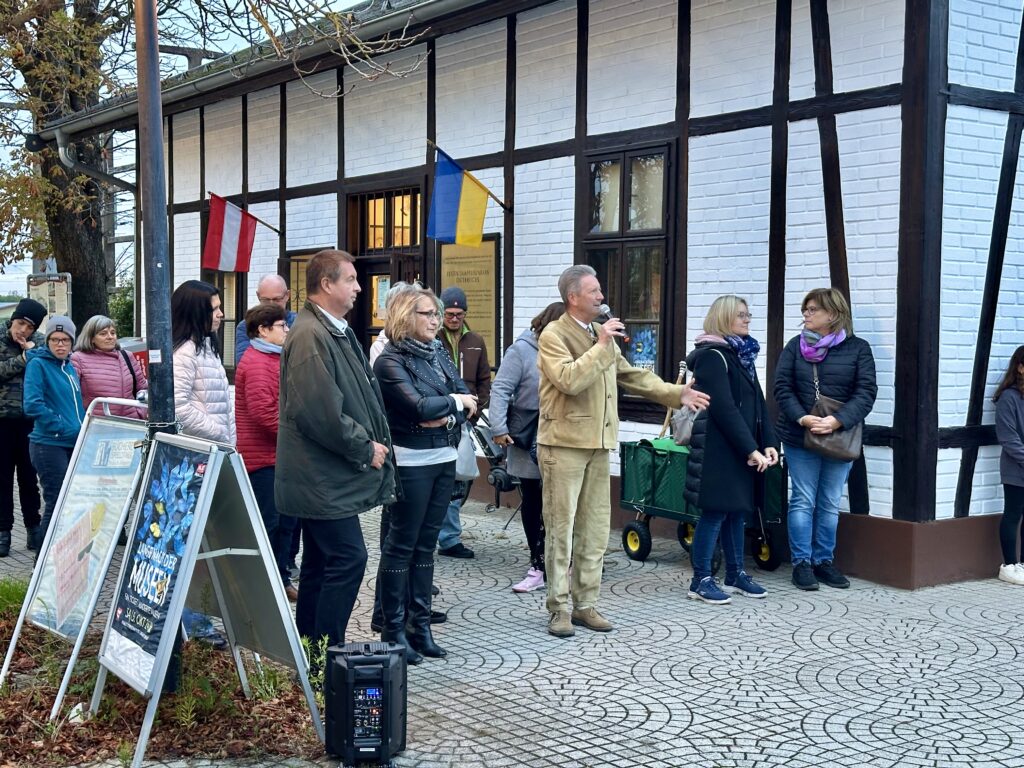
(229, 237)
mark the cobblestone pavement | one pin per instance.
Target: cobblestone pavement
(869, 676)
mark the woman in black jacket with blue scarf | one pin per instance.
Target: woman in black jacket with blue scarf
(845, 372)
(426, 403)
(732, 445)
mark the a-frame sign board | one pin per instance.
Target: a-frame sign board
(75, 556)
(196, 524)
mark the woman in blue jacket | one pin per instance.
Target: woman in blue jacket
(826, 349)
(53, 399)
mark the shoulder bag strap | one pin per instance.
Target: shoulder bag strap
(817, 387)
(135, 381)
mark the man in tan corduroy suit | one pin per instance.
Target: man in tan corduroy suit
(581, 367)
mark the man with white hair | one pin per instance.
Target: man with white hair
(270, 289)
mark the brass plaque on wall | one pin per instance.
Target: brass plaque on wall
(474, 268)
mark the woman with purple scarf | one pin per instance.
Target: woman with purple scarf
(826, 349)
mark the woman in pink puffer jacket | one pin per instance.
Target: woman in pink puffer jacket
(106, 370)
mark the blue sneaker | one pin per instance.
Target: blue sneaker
(707, 590)
(742, 584)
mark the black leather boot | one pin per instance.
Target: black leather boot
(393, 588)
(420, 636)
(5, 543)
(34, 537)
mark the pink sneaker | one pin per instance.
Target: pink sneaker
(534, 580)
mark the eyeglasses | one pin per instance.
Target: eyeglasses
(429, 314)
(744, 315)
(454, 315)
(60, 342)
(273, 299)
(810, 310)
(279, 324)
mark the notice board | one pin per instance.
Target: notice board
(475, 269)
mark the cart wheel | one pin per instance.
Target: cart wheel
(684, 532)
(765, 555)
(636, 540)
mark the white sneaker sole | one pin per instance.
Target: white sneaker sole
(708, 600)
(523, 590)
(1010, 580)
(738, 591)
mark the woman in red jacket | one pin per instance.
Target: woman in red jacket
(106, 370)
(257, 386)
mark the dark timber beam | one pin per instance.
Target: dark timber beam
(680, 261)
(993, 278)
(776, 309)
(915, 418)
(509, 168)
(431, 254)
(582, 170)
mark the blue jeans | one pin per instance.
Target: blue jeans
(333, 563)
(730, 525)
(280, 528)
(451, 526)
(51, 464)
(815, 488)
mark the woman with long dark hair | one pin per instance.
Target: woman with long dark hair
(513, 413)
(426, 403)
(733, 444)
(202, 400)
(1009, 400)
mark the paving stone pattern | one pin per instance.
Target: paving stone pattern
(869, 676)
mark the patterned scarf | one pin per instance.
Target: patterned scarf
(746, 348)
(814, 346)
(426, 350)
(265, 346)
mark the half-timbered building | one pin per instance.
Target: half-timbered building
(685, 148)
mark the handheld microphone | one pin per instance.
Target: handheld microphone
(607, 314)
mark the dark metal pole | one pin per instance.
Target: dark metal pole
(150, 179)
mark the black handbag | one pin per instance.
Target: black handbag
(843, 445)
(522, 427)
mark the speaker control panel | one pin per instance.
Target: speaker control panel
(367, 703)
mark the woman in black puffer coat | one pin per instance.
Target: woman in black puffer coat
(426, 403)
(846, 372)
(732, 445)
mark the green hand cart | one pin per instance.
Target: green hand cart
(653, 480)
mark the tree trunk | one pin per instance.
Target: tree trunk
(77, 236)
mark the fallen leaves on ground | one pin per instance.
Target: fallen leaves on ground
(208, 717)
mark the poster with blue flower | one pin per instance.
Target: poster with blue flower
(156, 549)
(642, 349)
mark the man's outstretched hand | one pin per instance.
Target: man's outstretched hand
(694, 399)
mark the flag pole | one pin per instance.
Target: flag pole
(249, 213)
(505, 206)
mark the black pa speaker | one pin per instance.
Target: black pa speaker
(365, 702)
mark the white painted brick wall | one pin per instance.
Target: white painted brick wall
(187, 248)
(544, 203)
(546, 74)
(983, 42)
(867, 45)
(186, 157)
(312, 222)
(732, 61)
(312, 149)
(631, 73)
(264, 139)
(386, 120)
(471, 90)
(264, 248)
(222, 125)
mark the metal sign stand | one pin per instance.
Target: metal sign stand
(243, 575)
(44, 551)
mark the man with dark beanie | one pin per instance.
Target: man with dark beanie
(469, 352)
(17, 336)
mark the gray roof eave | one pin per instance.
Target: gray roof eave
(226, 70)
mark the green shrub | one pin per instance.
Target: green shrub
(122, 308)
(12, 595)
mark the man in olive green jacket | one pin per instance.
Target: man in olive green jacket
(581, 368)
(333, 447)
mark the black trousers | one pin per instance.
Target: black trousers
(416, 520)
(532, 513)
(333, 564)
(15, 461)
(1009, 528)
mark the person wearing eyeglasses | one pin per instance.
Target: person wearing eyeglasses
(426, 403)
(257, 392)
(469, 353)
(732, 445)
(53, 397)
(844, 367)
(271, 289)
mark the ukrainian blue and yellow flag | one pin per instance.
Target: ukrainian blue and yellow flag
(457, 206)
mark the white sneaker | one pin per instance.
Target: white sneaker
(1012, 574)
(534, 580)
